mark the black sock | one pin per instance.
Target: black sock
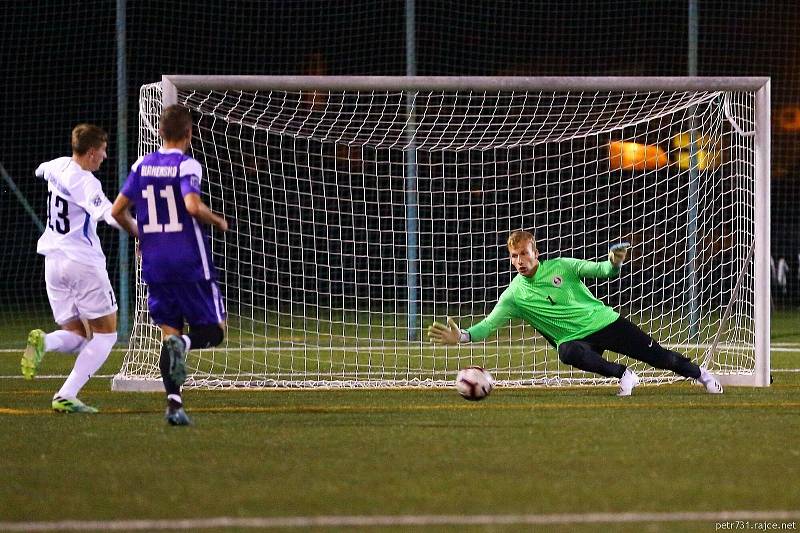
(683, 366)
(163, 364)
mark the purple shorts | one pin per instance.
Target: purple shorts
(197, 303)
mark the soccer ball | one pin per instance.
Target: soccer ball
(474, 383)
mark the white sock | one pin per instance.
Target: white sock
(187, 341)
(705, 376)
(175, 398)
(91, 358)
(63, 341)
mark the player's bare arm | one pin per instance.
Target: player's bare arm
(200, 211)
(121, 212)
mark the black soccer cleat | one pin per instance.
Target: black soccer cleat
(175, 415)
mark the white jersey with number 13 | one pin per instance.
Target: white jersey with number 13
(75, 202)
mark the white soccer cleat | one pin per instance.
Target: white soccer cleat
(712, 385)
(627, 382)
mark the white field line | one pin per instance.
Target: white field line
(64, 376)
(766, 520)
(775, 347)
(20, 350)
(111, 376)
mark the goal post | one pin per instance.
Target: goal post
(316, 269)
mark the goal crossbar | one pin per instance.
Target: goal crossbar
(173, 82)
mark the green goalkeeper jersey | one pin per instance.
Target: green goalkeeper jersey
(554, 300)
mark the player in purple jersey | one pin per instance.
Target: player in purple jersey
(175, 250)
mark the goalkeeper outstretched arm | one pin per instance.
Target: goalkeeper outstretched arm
(602, 269)
(451, 334)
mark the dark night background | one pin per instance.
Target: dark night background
(58, 67)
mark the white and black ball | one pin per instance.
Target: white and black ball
(474, 383)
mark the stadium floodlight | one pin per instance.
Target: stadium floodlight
(363, 208)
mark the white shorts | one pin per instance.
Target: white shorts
(76, 290)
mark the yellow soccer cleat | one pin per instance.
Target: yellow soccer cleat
(33, 354)
(71, 405)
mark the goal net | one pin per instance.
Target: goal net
(363, 209)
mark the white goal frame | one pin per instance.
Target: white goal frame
(760, 86)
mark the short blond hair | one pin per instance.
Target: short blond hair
(520, 238)
(86, 137)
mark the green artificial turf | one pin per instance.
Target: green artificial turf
(278, 453)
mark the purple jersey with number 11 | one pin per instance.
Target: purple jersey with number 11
(175, 247)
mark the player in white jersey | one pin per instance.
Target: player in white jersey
(75, 267)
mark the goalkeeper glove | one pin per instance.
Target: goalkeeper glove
(617, 253)
(447, 334)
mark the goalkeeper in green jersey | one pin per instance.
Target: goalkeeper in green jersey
(551, 296)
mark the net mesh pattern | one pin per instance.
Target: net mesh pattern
(358, 219)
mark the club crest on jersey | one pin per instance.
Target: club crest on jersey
(557, 281)
(195, 180)
(97, 200)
